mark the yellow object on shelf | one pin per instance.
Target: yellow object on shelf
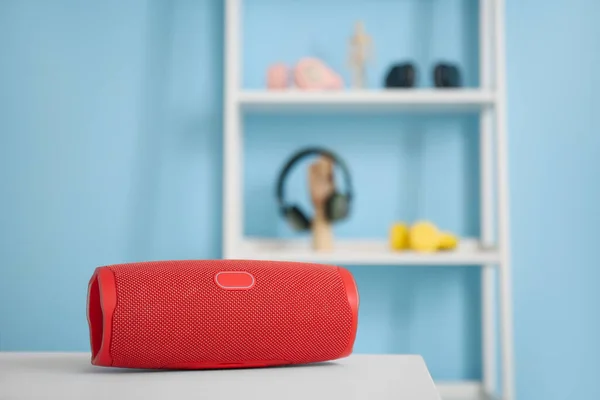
(423, 237)
(399, 236)
(448, 241)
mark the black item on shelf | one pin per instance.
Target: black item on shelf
(337, 206)
(446, 75)
(401, 76)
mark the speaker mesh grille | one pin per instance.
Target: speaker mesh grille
(172, 312)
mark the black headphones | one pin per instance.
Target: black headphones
(403, 75)
(337, 206)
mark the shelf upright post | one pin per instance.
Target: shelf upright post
(486, 127)
(233, 139)
(504, 272)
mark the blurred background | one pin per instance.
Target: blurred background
(111, 142)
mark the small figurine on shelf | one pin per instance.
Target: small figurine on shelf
(361, 46)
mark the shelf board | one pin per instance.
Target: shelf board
(362, 252)
(459, 390)
(367, 100)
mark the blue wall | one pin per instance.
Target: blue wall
(110, 151)
(555, 148)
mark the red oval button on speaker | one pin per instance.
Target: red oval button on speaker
(234, 280)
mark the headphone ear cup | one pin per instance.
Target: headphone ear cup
(446, 76)
(296, 218)
(401, 76)
(337, 207)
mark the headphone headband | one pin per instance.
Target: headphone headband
(305, 153)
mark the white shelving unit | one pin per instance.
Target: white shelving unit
(363, 252)
(490, 252)
(368, 101)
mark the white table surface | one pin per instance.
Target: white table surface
(64, 376)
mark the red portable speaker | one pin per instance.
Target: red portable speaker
(220, 314)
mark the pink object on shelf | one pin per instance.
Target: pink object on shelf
(313, 74)
(278, 76)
